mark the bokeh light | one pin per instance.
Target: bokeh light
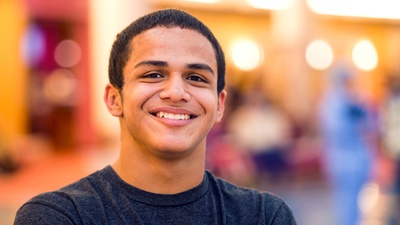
(246, 55)
(365, 56)
(67, 53)
(319, 55)
(33, 45)
(60, 86)
(368, 197)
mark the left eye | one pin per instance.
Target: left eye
(196, 78)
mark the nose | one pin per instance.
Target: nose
(175, 89)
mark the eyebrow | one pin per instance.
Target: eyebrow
(152, 63)
(200, 66)
(194, 66)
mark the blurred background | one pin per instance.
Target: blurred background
(313, 111)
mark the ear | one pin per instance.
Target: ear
(113, 100)
(221, 105)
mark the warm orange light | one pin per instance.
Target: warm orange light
(384, 9)
(246, 54)
(203, 1)
(67, 53)
(365, 56)
(319, 55)
(368, 197)
(271, 4)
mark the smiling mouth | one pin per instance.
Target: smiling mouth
(173, 116)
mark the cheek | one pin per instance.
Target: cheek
(209, 103)
(137, 95)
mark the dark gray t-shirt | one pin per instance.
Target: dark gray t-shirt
(104, 198)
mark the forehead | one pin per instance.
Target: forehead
(174, 39)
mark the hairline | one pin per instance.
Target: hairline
(118, 63)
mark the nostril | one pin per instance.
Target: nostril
(176, 94)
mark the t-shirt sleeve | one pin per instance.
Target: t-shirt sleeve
(48, 208)
(284, 216)
(37, 213)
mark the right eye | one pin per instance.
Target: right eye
(153, 75)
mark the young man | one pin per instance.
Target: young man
(166, 87)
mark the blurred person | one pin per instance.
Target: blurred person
(8, 156)
(346, 125)
(226, 159)
(8, 163)
(166, 88)
(391, 140)
(262, 129)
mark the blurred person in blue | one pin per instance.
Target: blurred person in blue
(391, 140)
(346, 126)
(166, 74)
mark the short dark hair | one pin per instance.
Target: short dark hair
(169, 18)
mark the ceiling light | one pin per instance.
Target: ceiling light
(384, 9)
(202, 1)
(365, 56)
(270, 4)
(319, 55)
(246, 54)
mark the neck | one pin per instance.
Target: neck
(160, 175)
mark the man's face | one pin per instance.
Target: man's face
(169, 98)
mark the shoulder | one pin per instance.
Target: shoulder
(262, 205)
(47, 208)
(242, 194)
(65, 205)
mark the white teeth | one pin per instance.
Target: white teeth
(172, 116)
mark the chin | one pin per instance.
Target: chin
(176, 151)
